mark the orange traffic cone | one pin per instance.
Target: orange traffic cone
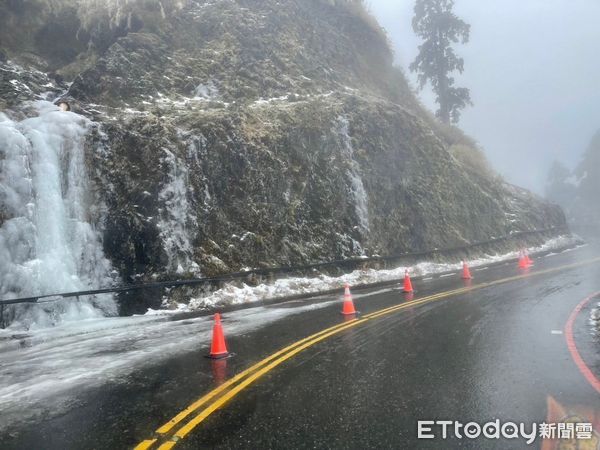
(348, 307)
(466, 275)
(218, 348)
(407, 283)
(522, 260)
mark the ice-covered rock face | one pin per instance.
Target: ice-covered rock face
(177, 224)
(47, 242)
(237, 133)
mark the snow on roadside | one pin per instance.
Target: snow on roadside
(595, 320)
(44, 371)
(233, 295)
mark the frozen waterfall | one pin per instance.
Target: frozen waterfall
(48, 243)
(361, 202)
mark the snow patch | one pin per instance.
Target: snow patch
(233, 295)
(208, 91)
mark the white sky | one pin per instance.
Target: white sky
(533, 68)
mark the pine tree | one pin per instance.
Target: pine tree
(439, 27)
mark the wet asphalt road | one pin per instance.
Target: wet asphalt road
(484, 355)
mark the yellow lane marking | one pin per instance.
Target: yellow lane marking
(146, 444)
(186, 429)
(262, 367)
(183, 431)
(194, 406)
(164, 429)
(416, 302)
(221, 401)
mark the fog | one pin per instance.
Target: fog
(532, 67)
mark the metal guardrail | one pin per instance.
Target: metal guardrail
(269, 271)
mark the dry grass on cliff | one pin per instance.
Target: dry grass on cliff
(473, 159)
(464, 149)
(361, 10)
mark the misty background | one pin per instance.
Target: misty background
(532, 67)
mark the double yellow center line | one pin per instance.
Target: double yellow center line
(165, 437)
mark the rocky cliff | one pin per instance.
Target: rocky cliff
(234, 133)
